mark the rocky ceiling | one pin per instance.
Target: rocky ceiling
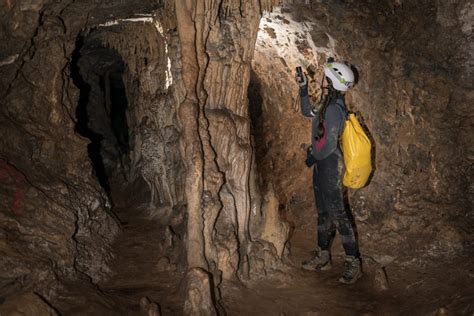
(152, 153)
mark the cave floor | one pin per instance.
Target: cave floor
(435, 288)
(134, 275)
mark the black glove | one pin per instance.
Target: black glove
(302, 81)
(309, 157)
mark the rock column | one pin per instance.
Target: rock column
(217, 43)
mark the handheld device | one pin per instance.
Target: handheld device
(299, 74)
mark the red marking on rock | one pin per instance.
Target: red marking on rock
(5, 171)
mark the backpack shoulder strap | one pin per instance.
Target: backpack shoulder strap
(340, 103)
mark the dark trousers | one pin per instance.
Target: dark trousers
(329, 195)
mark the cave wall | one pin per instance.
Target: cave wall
(189, 160)
(56, 218)
(414, 61)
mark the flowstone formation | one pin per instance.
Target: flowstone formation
(217, 47)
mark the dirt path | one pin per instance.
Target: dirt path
(428, 291)
(138, 269)
(137, 272)
(415, 288)
(435, 288)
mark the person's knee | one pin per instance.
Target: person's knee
(344, 225)
(348, 239)
(323, 219)
(345, 228)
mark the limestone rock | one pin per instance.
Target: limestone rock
(442, 311)
(381, 282)
(275, 230)
(26, 304)
(164, 265)
(149, 308)
(217, 41)
(382, 259)
(181, 70)
(198, 299)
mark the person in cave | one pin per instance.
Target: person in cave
(328, 118)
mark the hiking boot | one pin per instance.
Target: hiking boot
(352, 270)
(320, 260)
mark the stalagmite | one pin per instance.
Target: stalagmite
(191, 148)
(215, 124)
(381, 282)
(274, 229)
(198, 290)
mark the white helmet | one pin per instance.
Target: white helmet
(341, 75)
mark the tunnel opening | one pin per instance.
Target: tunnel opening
(118, 111)
(102, 107)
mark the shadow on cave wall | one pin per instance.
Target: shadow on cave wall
(102, 107)
(255, 99)
(254, 95)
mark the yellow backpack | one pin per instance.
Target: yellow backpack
(356, 148)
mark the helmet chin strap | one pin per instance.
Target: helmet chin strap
(329, 86)
(330, 91)
(322, 87)
(322, 82)
(324, 101)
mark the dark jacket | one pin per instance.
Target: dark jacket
(334, 119)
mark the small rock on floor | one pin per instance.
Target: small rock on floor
(198, 294)
(442, 311)
(381, 280)
(149, 308)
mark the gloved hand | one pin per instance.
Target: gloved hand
(316, 108)
(309, 157)
(302, 81)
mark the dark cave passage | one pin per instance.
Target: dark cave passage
(102, 107)
(82, 117)
(254, 95)
(118, 111)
